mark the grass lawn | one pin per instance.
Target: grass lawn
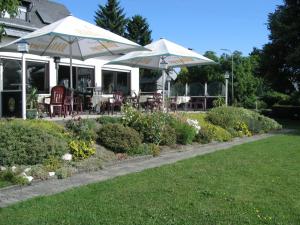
(255, 183)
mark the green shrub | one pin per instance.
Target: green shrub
(82, 149)
(40, 172)
(52, 164)
(82, 129)
(149, 126)
(242, 129)
(30, 142)
(168, 136)
(118, 138)
(64, 172)
(185, 134)
(228, 117)
(143, 149)
(155, 150)
(108, 119)
(13, 178)
(209, 132)
(273, 97)
(219, 102)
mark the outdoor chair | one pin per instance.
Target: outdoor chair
(115, 101)
(133, 100)
(196, 104)
(173, 103)
(57, 100)
(78, 104)
(155, 102)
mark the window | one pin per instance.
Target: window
(12, 75)
(38, 76)
(82, 77)
(115, 81)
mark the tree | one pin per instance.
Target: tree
(246, 85)
(9, 6)
(202, 74)
(280, 62)
(111, 17)
(138, 30)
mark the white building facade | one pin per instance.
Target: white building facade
(43, 73)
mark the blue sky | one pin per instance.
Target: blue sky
(199, 24)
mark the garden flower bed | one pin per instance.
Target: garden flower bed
(38, 150)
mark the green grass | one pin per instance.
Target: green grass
(255, 183)
(4, 183)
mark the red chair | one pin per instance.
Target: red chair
(57, 99)
(78, 104)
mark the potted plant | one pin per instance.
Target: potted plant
(32, 103)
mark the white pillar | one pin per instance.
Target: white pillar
(71, 74)
(23, 87)
(186, 93)
(1, 85)
(226, 92)
(163, 86)
(169, 89)
(205, 94)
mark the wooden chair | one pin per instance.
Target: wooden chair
(57, 100)
(155, 102)
(173, 103)
(133, 100)
(115, 101)
(196, 103)
(78, 104)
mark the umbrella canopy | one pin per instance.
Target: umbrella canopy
(163, 54)
(86, 40)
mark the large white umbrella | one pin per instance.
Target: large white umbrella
(164, 55)
(72, 38)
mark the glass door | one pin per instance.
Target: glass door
(11, 93)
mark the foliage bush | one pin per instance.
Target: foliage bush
(108, 119)
(64, 172)
(273, 97)
(118, 138)
(185, 134)
(149, 126)
(168, 136)
(228, 117)
(209, 132)
(82, 129)
(82, 149)
(143, 149)
(12, 177)
(30, 142)
(40, 172)
(52, 164)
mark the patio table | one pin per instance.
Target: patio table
(98, 100)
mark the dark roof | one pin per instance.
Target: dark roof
(43, 13)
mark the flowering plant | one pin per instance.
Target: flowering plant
(194, 124)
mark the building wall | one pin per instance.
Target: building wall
(97, 64)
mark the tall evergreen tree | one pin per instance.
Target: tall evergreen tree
(138, 30)
(111, 17)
